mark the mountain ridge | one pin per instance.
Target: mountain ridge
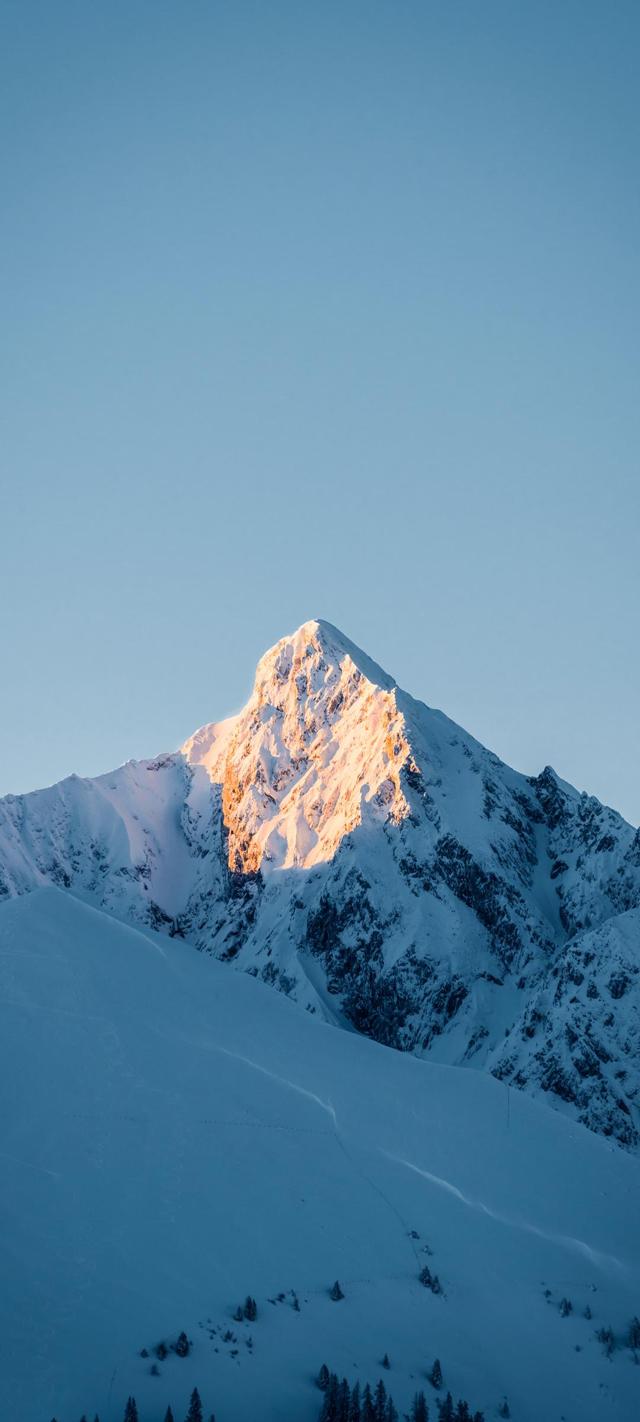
(363, 853)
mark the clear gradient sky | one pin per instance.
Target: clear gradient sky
(320, 309)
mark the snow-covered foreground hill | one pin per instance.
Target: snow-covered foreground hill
(176, 1136)
(358, 850)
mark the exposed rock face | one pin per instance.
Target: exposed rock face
(318, 745)
(365, 855)
(578, 1036)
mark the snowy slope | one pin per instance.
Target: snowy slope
(176, 1136)
(132, 840)
(364, 854)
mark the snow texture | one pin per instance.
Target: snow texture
(176, 1136)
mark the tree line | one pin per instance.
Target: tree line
(195, 1411)
(342, 1403)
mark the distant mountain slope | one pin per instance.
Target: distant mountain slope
(578, 1035)
(175, 1137)
(363, 853)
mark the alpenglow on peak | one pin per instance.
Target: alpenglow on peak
(319, 746)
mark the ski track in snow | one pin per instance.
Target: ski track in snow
(328, 1107)
(31, 1006)
(566, 1241)
(330, 1111)
(282, 1081)
(578, 1246)
(30, 1165)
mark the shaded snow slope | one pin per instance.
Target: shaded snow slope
(358, 850)
(176, 1136)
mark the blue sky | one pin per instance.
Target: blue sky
(320, 310)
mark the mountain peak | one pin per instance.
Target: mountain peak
(319, 641)
(320, 738)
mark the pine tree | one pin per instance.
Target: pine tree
(504, 1409)
(634, 1333)
(429, 1280)
(168, 1416)
(566, 1307)
(462, 1412)
(445, 1409)
(335, 1292)
(195, 1407)
(329, 1411)
(419, 1410)
(322, 1379)
(391, 1414)
(605, 1336)
(250, 1309)
(131, 1410)
(183, 1345)
(354, 1405)
(368, 1412)
(344, 1400)
(380, 1402)
(385, 1362)
(435, 1376)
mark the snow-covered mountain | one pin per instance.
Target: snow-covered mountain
(175, 1137)
(361, 852)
